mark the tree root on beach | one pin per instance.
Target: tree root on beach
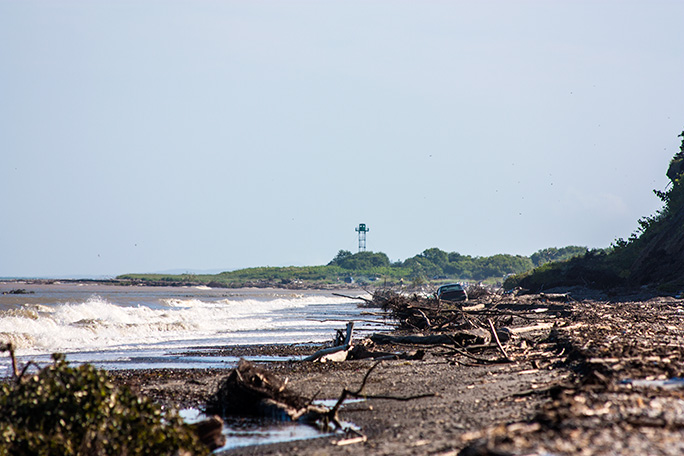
(252, 391)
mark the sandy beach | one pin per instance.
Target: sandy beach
(467, 398)
(600, 380)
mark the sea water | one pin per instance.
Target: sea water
(131, 327)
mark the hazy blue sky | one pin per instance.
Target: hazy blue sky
(140, 136)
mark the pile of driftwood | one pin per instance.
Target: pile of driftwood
(414, 312)
(487, 321)
(628, 395)
(491, 320)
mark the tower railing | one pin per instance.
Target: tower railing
(362, 229)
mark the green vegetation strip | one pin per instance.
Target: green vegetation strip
(431, 264)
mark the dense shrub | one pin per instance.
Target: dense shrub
(594, 269)
(63, 411)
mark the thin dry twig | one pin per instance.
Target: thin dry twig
(498, 342)
(477, 358)
(332, 414)
(427, 320)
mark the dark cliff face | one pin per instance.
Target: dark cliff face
(660, 258)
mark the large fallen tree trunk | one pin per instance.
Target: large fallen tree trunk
(365, 350)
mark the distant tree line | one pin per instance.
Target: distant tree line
(360, 261)
(435, 263)
(431, 264)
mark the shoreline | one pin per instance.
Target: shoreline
(159, 284)
(110, 326)
(563, 391)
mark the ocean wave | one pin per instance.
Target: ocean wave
(115, 323)
(20, 313)
(100, 324)
(18, 340)
(274, 302)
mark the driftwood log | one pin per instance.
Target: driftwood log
(336, 353)
(364, 350)
(360, 298)
(462, 338)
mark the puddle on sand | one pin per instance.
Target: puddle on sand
(242, 432)
(672, 383)
(167, 361)
(330, 403)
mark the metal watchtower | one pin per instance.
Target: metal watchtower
(362, 230)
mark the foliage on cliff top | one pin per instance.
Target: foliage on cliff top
(652, 256)
(64, 411)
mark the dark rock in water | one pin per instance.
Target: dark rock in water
(17, 291)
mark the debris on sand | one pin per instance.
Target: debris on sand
(253, 391)
(626, 397)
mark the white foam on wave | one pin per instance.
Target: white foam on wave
(254, 306)
(98, 324)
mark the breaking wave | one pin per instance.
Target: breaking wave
(99, 324)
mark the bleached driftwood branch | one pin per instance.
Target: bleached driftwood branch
(337, 353)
